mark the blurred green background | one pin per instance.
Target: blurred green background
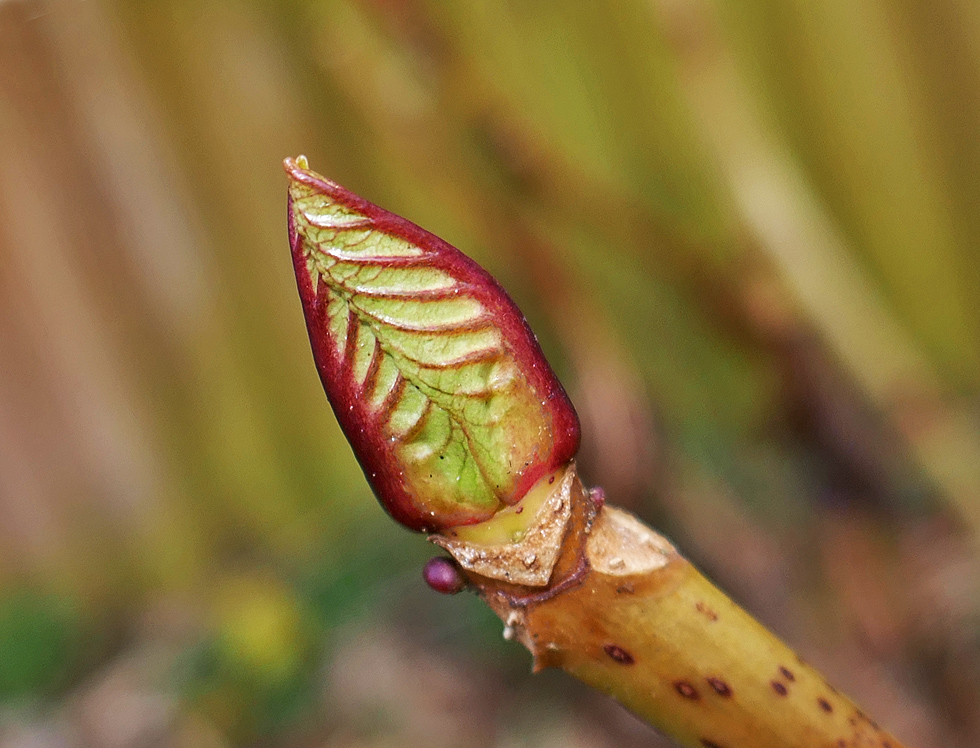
(746, 234)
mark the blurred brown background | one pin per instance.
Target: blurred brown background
(746, 233)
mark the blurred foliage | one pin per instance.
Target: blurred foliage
(745, 232)
(37, 634)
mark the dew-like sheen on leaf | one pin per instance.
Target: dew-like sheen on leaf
(432, 371)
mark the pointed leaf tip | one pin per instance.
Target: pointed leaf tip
(432, 371)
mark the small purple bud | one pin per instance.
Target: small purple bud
(444, 576)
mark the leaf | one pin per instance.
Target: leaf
(432, 371)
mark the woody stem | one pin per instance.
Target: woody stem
(625, 613)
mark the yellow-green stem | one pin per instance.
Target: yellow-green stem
(675, 650)
(625, 613)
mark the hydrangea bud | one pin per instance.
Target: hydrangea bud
(432, 371)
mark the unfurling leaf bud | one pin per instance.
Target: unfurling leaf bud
(434, 375)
